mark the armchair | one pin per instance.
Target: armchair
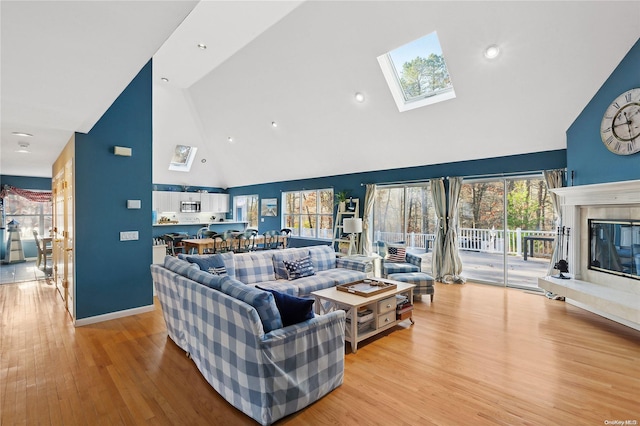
(396, 260)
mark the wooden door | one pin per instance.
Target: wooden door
(58, 229)
(63, 225)
(69, 207)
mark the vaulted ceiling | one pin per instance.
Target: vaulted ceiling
(300, 64)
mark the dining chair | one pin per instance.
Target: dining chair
(285, 232)
(44, 254)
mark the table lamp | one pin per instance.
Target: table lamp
(352, 226)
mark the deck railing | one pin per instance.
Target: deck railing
(480, 240)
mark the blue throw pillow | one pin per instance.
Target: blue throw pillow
(212, 264)
(299, 268)
(292, 309)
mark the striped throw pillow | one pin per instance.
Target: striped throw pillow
(396, 254)
(299, 268)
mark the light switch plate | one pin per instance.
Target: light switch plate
(133, 204)
(128, 235)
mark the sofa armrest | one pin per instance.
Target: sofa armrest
(414, 259)
(354, 264)
(332, 322)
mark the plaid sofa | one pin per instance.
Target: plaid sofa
(227, 326)
(266, 269)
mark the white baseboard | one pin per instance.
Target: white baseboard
(114, 315)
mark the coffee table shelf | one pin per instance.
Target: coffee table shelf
(383, 306)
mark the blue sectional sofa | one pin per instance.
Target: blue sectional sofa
(234, 334)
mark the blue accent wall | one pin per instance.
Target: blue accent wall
(113, 275)
(355, 183)
(587, 156)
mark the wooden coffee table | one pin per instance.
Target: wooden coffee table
(382, 307)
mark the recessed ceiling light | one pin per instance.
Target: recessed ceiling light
(204, 160)
(24, 147)
(359, 97)
(274, 124)
(492, 51)
(23, 134)
(202, 46)
(230, 139)
(165, 79)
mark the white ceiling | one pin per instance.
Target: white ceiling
(300, 64)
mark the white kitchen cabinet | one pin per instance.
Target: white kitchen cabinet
(206, 202)
(166, 201)
(221, 203)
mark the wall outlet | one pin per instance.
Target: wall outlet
(128, 236)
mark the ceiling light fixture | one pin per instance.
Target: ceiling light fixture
(230, 139)
(165, 79)
(202, 46)
(23, 134)
(359, 97)
(24, 147)
(274, 124)
(492, 51)
(204, 160)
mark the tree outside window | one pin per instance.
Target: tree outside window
(308, 214)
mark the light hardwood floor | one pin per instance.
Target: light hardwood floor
(477, 355)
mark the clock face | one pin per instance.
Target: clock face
(620, 126)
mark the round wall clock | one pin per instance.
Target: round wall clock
(620, 126)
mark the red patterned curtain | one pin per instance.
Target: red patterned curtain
(37, 196)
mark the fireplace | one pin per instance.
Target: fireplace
(614, 247)
(612, 291)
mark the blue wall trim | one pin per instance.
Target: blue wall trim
(587, 156)
(25, 182)
(354, 183)
(113, 275)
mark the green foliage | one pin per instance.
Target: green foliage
(424, 75)
(521, 208)
(341, 196)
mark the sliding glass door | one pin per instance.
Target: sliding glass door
(506, 230)
(481, 234)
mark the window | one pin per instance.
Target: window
(308, 214)
(31, 215)
(404, 213)
(417, 74)
(245, 209)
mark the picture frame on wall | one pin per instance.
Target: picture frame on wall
(269, 207)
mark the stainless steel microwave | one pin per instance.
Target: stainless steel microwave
(190, 206)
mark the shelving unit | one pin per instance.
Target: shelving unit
(339, 241)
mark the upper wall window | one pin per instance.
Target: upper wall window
(417, 74)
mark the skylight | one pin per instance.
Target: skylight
(182, 158)
(417, 74)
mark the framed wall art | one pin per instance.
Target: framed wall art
(269, 207)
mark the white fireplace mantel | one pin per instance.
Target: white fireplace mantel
(614, 297)
(613, 193)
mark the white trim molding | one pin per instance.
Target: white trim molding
(114, 315)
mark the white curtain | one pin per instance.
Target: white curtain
(367, 218)
(554, 179)
(440, 204)
(451, 264)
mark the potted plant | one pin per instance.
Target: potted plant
(341, 200)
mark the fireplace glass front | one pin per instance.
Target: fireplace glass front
(615, 247)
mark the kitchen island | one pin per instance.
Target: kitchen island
(191, 228)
